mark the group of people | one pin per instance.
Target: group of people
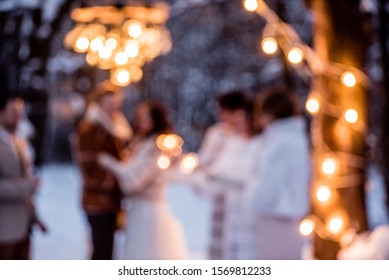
(253, 165)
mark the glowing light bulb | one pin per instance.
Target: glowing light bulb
(163, 162)
(323, 193)
(135, 30)
(170, 142)
(136, 74)
(329, 166)
(351, 116)
(335, 224)
(189, 163)
(96, 44)
(92, 58)
(82, 44)
(307, 226)
(312, 105)
(121, 58)
(251, 5)
(132, 48)
(111, 43)
(123, 76)
(295, 55)
(348, 79)
(269, 45)
(105, 52)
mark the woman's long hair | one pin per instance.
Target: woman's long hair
(158, 116)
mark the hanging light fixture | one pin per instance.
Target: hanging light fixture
(120, 38)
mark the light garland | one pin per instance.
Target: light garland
(306, 62)
(120, 39)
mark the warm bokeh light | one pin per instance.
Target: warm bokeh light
(163, 162)
(97, 43)
(170, 142)
(295, 55)
(123, 76)
(351, 116)
(312, 105)
(188, 163)
(349, 79)
(335, 224)
(329, 166)
(307, 226)
(135, 29)
(92, 58)
(132, 48)
(269, 45)
(323, 193)
(111, 43)
(136, 74)
(120, 37)
(121, 58)
(105, 52)
(82, 44)
(251, 5)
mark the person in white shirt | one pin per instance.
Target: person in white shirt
(226, 160)
(280, 197)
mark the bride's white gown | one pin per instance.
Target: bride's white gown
(152, 232)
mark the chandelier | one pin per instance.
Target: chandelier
(120, 38)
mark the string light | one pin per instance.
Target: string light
(170, 142)
(348, 79)
(329, 166)
(335, 224)
(111, 43)
(105, 52)
(312, 105)
(351, 116)
(188, 163)
(97, 43)
(295, 55)
(269, 45)
(82, 44)
(163, 162)
(348, 76)
(323, 193)
(106, 33)
(121, 77)
(121, 58)
(251, 5)
(307, 227)
(135, 29)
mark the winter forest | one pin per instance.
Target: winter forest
(215, 47)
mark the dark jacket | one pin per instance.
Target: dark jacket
(101, 192)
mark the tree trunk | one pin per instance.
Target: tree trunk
(339, 37)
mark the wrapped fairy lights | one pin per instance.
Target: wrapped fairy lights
(120, 39)
(280, 35)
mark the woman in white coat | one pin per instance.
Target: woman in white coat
(281, 188)
(152, 232)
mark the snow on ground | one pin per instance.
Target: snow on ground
(58, 204)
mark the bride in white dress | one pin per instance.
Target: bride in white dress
(152, 232)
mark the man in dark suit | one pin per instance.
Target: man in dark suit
(17, 185)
